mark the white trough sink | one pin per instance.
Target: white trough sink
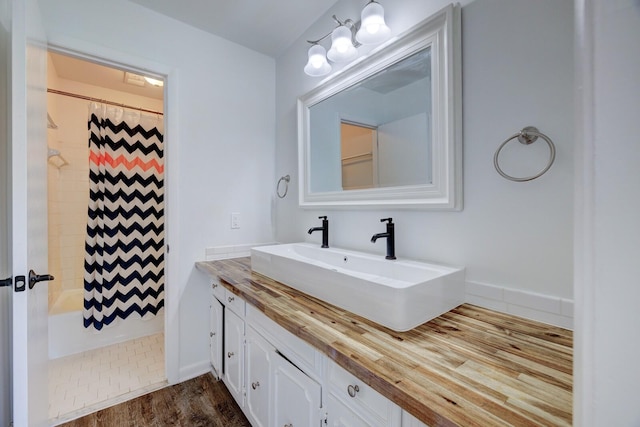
(399, 294)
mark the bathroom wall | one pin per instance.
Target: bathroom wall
(69, 185)
(515, 237)
(220, 154)
(5, 294)
(607, 350)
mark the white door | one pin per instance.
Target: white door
(215, 335)
(296, 396)
(234, 355)
(259, 355)
(28, 213)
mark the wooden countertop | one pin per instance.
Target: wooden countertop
(469, 367)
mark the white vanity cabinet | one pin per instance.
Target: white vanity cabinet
(351, 402)
(215, 336)
(234, 355)
(297, 397)
(269, 388)
(259, 373)
(409, 420)
(278, 380)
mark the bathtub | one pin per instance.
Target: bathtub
(67, 335)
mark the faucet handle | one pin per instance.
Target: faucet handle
(387, 219)
(322, 217)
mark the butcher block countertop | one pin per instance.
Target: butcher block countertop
(469, 367)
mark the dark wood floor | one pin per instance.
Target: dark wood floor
(202, 401)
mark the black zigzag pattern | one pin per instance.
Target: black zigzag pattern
(124, 249)
(129, 140)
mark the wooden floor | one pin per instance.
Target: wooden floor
(202, 401)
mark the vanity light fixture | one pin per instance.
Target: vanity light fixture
(342, 48)
(346, 38)
(317, 65)
(373, 29)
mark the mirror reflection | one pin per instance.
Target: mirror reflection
(377, 133)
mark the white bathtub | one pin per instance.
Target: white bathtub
(67, 335)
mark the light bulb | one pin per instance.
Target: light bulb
(372, 28)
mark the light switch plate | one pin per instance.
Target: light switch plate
(235, 220)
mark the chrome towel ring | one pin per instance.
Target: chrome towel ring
(526, 136)
(286, 180)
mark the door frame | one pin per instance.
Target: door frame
(103, 55)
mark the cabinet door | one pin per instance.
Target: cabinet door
(296, 396)
(409, 420)
(215, 335)
(339, 415)
(233, 354)
(259, 354)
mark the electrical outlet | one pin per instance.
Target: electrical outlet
(235, 220)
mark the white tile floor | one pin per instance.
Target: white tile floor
(83, 383)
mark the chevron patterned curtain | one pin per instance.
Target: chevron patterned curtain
(124, 259)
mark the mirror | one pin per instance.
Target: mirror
(385, 130)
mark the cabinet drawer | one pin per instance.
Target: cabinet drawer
(234, 303)
(218, 290)
(288, 344)
(357, 395)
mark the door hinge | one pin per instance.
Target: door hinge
(21, 284)
(6, 282)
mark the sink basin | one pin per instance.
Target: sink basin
(399, 294)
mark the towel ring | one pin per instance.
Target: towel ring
(526, 136)
(286, 180)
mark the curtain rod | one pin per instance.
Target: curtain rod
(89, 98)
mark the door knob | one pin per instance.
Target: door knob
(35, 278)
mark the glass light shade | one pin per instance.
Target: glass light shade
(317, 65)
(373, 29)
(342, 48)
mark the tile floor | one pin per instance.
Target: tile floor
(86, 382)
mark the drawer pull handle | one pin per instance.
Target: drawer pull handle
(352, 390)
(230, 299)
(211, 334)
(255, 385)
(230, 354)
(214, 285)
(288, 425)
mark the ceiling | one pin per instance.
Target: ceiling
(67, 67)
(269, 27)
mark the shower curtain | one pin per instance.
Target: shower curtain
(124, 248)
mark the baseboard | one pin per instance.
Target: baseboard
(548, 309)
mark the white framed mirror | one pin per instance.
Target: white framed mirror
(385, 131)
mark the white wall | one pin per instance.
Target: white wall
(608, 201)
(517, 71)
(5, 293)
(221, 148)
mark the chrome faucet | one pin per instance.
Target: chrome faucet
(390, 236)
(324, 229)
